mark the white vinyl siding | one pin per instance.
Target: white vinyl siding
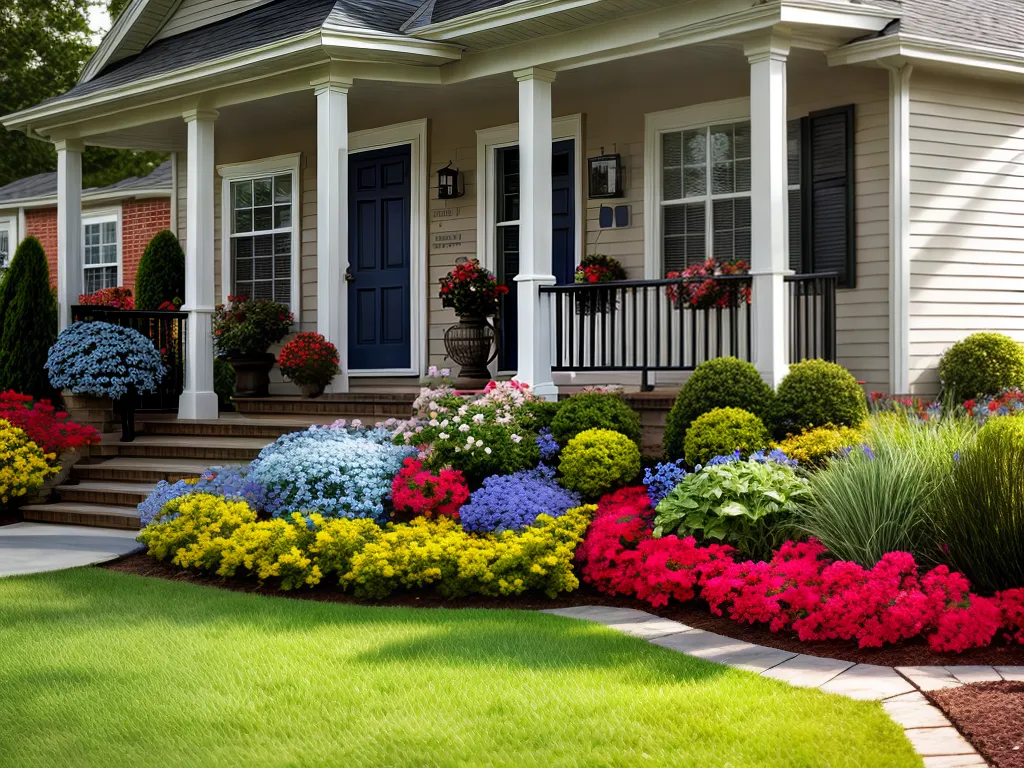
(967, 216)
(191, 14)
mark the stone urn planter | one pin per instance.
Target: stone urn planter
(311, 390)
(470, 343)
(96, 412)
(252, 373)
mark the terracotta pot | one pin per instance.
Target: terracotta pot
(252, 374)
(97, 412)
(311, 390)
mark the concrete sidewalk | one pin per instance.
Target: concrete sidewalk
(39, 547)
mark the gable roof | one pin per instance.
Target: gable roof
(43, 186)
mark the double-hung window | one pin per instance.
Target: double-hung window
(262, 222)
(100, 252)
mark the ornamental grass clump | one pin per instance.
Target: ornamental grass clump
(595, 410)
(981, 365)
(722, 432)
(597, 461)
(512, 502)
(331, 471)
(104, 360)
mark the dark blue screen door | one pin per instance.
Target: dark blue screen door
(379, 259)
(563, 235)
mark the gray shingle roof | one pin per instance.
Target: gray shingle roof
(996, 23)
(45, 185)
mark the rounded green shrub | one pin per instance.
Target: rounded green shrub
(28, 312)
(723, 431)
(982, 364)
(725, 382)
(223, 381)
(598, 460)
(161, 273)
(815, 393)
(594, 410)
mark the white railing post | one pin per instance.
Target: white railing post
(535, 136)
(198, 400)
(69, 227)
(769, 204)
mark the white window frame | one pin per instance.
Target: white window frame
(271, 166)
(9, 224)
(104, 216)
(674, 121)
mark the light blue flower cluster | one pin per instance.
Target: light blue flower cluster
(163, 493)
(548, 445)
(662, 479)
(233, 482)
(334, 472)
(512, 502)
(104, 360)
(774, 456)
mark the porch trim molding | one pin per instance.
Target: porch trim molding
(927, 49)
(490, 139)
(246, 170)
(413, 133)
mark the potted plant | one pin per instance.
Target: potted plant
(597, 268)
(243, 331)
(97, 364)
(311, 361)
(693, 292)
(474, 294)
(111, 298)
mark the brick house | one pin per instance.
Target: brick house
(117, 223)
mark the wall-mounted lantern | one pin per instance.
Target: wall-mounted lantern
(604, 177)
(449, 183)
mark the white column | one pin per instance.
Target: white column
(769, 204)
(534, 228)
(69, 228)
(199, 401)
(899, 228)
(332, 217)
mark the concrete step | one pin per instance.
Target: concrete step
(77, 513)
(106, 492)
(133, 469)
(213, 450)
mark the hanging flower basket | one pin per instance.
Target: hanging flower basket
(692, 292)
(594, 269)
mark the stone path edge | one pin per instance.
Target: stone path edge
(899, 689)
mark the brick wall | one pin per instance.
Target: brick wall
(140, 220)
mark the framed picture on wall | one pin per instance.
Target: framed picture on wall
(604, 176)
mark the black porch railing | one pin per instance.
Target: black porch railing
(676, 324)
(167, 331)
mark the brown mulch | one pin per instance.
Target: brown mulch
(695, 614)
(990, 716)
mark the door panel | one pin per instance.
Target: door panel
(380, 292)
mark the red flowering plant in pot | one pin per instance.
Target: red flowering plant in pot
(311, 361)
(593, 269)
(698, 287)
(475, 295)
(243, 330)
(112, 298)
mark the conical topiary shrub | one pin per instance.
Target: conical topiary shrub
(161, 274)
(29, 316)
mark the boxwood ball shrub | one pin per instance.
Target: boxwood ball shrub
(725, 382)
(104, 360)
(723, 431)
(980, 365)
(595, 410)
(815, 393)
(28, 314)
(598, 460)
(161, 274)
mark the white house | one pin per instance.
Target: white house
(878, 142)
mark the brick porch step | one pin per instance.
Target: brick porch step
(212, 450)
(106, 492)
(268, 429)
(132, 469)
(367, 407)
(78, 513)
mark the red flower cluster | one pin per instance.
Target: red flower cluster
(115, 298)
(419, 491)
(471, 290)
(168, 306)
(45, 425)
(694, 293)
(800, 589)
(309, 358)
(924, 410)
(592, 274)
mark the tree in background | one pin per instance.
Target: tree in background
(161, 274)
(45, 45)
(114, 8)
(29, 315)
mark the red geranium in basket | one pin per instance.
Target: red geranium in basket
(471, 290)
(115, 298)
(309, 359)
(694, 293)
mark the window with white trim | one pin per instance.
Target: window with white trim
(262, 222)
(99, 252)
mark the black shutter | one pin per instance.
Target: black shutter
(828, 186)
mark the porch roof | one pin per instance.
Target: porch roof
(43, 187)
(994, 23)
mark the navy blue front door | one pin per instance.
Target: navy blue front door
(563, 236)
(379, 291)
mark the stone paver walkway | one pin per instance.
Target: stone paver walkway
(39, 547)
(931, 734)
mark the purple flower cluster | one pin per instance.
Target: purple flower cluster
(662, 479)
(512, 502)
(155, 502)
(233, 482)
(774, 456)
(548, 445)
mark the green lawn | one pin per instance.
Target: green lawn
(105, 669)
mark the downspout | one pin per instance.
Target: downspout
(899, 227)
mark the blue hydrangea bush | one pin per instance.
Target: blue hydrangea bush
(104, 360)
(513, 502)
(333, 472)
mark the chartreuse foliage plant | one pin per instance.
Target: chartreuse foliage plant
(815, 393)
(981, 365)
(814, 447)
(723, 431)
(161, 274)
(597, 461)
(595, 410)
(173, 650)
(28, 321)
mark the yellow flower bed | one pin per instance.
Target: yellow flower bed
(23, 465)
(213, 534)
(815, 446)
